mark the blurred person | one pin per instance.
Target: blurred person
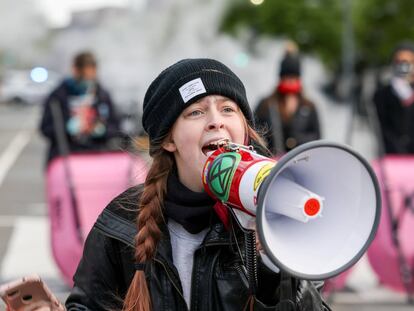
(287, 118)
(88, 114)
(160, 245)
(394, 103)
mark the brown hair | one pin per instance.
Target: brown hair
(84, 59)
(150, 216)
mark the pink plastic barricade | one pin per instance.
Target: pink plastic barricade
(336, 283)
(96, 178)
(397, 174)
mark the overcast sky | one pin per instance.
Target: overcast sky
(58, 12)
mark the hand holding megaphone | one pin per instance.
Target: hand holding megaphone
(316, 210)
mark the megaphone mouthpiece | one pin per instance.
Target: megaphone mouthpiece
(290, 199)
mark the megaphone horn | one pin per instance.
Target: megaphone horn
(317, 209)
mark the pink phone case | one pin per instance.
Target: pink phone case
(29, 294)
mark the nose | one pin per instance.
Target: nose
(215, 122)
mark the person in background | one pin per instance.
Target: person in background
(287, 118)
(160, 245)
(394, 103)
(86, 110)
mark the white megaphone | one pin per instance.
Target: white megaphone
(317, 209)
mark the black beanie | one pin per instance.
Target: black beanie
(290, 66)
(183, 83)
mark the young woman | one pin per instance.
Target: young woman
(160, 246)
(288, 116)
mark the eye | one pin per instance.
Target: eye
(228, 109)
(194, 113)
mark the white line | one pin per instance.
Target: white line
(12, 152)
(7, 220)
(29, 251)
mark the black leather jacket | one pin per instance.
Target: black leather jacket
(395, 120)
(218, 281)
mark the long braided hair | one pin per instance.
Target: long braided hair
(150, 217)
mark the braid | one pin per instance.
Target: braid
(150, 216)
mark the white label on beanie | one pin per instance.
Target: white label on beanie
(191, 89)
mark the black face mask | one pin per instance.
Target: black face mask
(402, 69)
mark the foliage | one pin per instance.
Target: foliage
(379, 26)
(316, 25)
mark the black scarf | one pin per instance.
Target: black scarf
(193, 210)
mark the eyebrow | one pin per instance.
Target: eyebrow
(222, 99)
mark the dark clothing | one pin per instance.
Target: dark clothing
(101, 110)
(396, 121)
(301, 128)
(192, 210)
(218, 281)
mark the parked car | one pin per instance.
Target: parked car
(24, 87)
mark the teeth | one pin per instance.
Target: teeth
(217, 144)
(212, 146)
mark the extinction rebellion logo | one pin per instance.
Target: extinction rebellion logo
(221, 174)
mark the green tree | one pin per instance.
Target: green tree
(379, 26)
(316, 25)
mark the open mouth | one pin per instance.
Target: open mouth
(212, 146)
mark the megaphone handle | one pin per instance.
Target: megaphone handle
(251, 259)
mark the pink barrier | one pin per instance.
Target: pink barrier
(96, 178)
(383, 254)
(337, 283)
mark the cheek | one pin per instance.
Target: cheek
(238, 133)
(186, 139)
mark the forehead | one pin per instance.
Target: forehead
(289, 78)
(212, 99)
(404, 55)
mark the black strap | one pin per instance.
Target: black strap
(64, 150)
(277, 129)
(139, 266)
(286, 290)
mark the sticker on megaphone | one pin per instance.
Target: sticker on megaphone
(233, 174)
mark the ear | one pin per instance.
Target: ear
(170, 146)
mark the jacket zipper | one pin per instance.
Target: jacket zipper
(157, 260)
(160, 262)
(194, 263)
(172, 281)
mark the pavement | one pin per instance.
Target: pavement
(24, 225)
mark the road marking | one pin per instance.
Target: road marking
(7, 220)
(29, 250)
(12, 152)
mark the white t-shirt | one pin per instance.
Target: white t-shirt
(183, 246)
